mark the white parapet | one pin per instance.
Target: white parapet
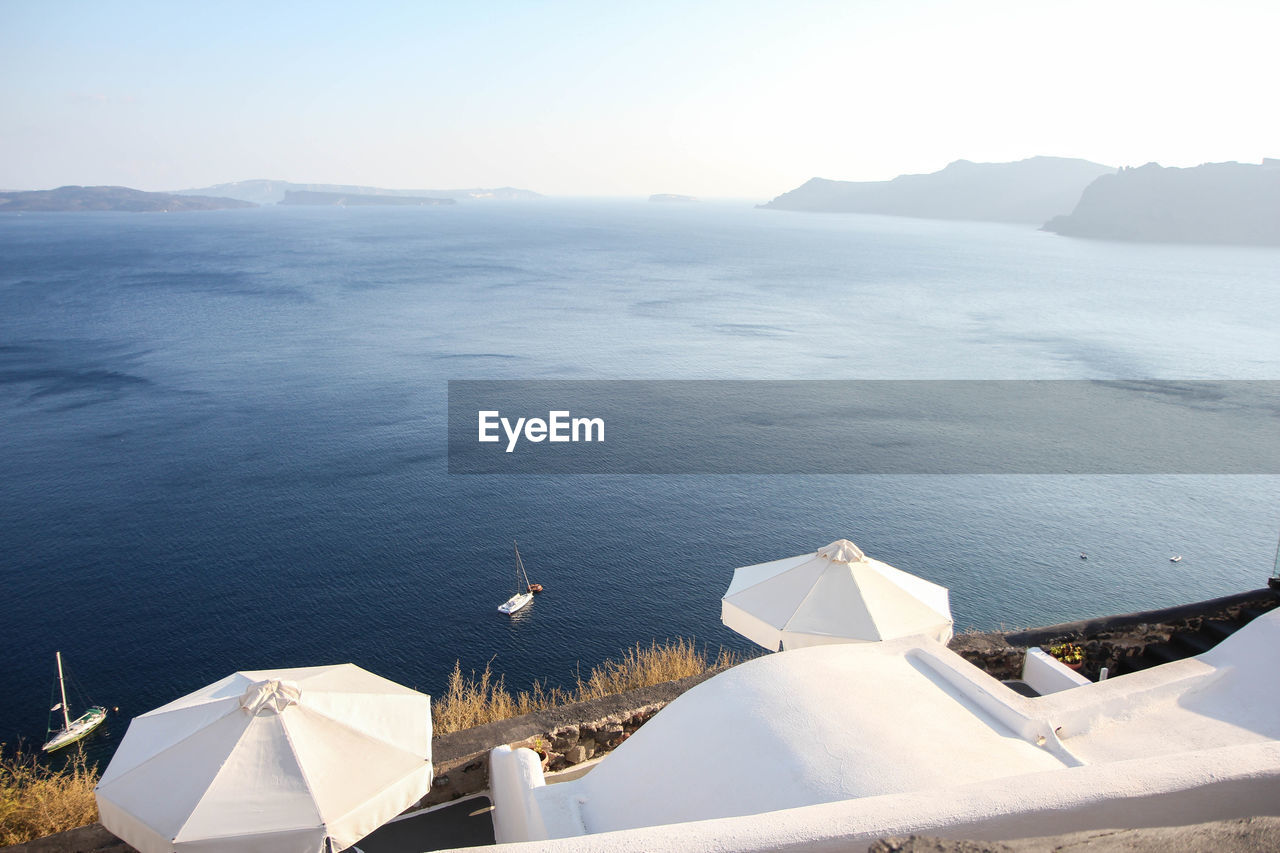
(1046, 674)
(1173, 790)
(514, 774)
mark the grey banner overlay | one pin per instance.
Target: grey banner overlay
(872, 427)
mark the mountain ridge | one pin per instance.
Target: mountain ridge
(112, 198)
(310, 197)
(1031, 191)
(266, 191)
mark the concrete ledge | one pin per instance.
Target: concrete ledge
(94, 838)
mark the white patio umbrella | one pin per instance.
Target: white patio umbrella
(307, 760)
(837, 595)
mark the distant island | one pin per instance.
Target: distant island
(273, 192)
(112, 198)
(671, 197)
(358, 199)
(1233, 203)
(1031, 190)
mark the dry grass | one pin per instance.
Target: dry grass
(36, 801)
(484, 698)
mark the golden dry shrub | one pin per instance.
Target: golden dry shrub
(37, 800)
(477, 699)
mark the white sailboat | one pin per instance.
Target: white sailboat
(72, 730)
(524, 589)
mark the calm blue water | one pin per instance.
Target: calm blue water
(223, 433)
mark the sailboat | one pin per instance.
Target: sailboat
(72, 730)
(524, 589)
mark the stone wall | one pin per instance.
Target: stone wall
(567, 735)
(1115, 642)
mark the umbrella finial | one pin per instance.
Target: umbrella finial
(842, 551)
(270, 697)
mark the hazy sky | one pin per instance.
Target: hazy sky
(729, 99)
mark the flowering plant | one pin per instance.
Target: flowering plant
(1069, 653)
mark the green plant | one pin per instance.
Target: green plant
(1069, 653)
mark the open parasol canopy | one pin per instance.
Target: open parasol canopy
(308, 760)
(836, 595)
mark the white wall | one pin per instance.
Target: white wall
(1046, 674)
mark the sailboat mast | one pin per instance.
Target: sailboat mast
(1275, 572)
(62, 687)
(520, 570)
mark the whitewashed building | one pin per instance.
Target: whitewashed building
(832, 746)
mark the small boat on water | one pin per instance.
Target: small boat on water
(1177, 559)
(72, 730)
(515, 602)
(524, 590)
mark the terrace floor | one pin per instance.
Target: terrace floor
(462, 823)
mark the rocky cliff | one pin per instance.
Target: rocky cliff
(1029, 190)
(1237, 203)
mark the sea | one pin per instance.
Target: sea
(223, 434)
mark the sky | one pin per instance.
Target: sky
(713, 99)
